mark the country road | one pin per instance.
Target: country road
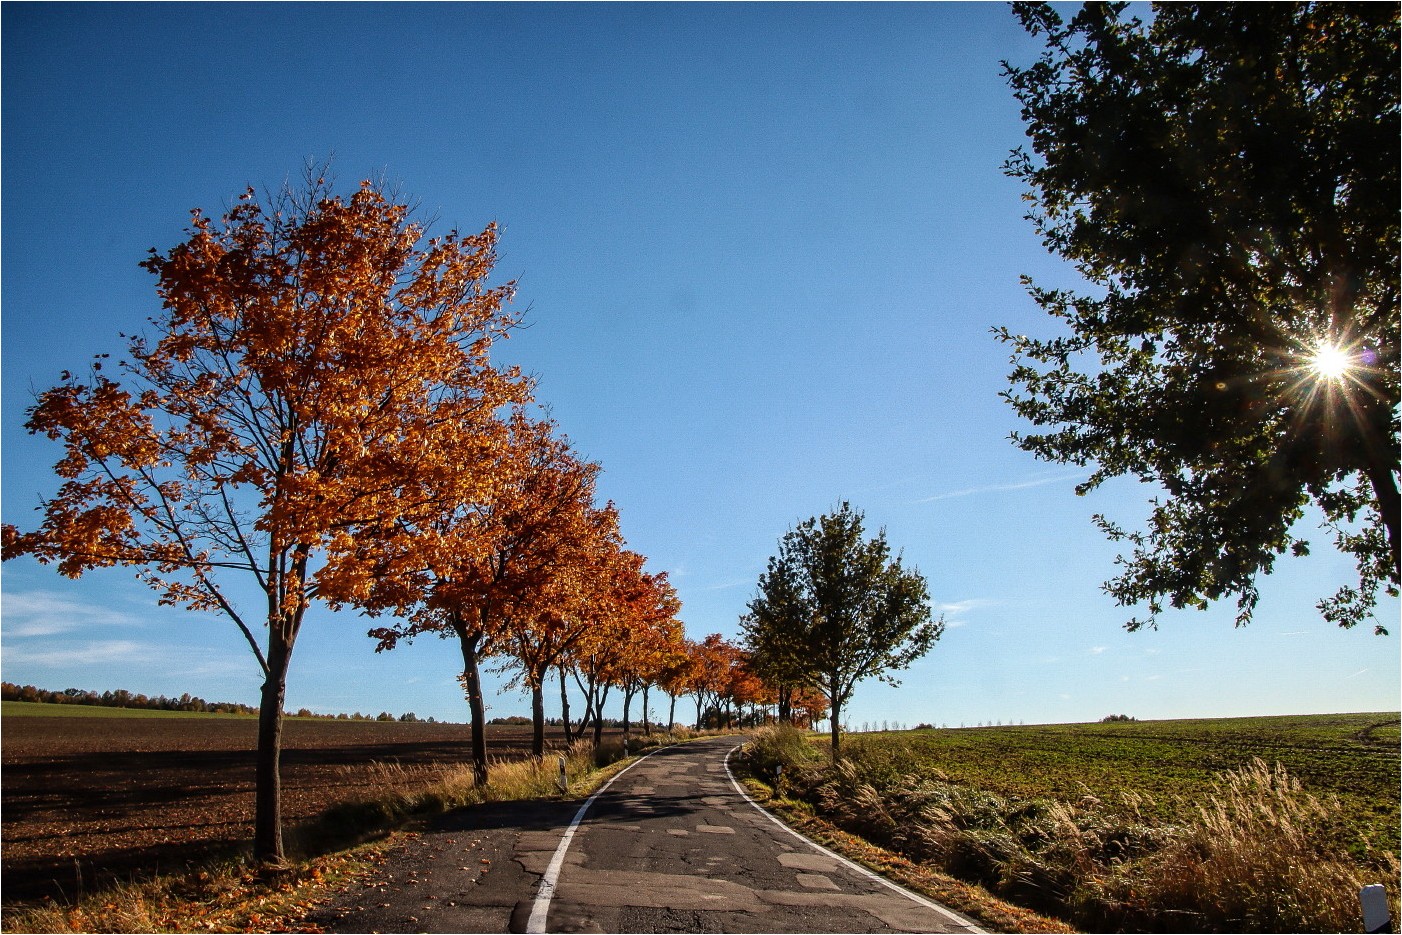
(670, 845)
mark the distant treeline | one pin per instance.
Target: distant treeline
(121, 698)
(517, 720)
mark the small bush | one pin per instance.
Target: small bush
(779, 745)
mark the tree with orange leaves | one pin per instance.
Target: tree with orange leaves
(807, 705)
(673, 674)
(709, 677)
(566, 600)
(641, 628)
(479, 564)
(629, 611)
(319, 367)
(746, 688)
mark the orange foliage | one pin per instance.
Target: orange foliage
(319, 369)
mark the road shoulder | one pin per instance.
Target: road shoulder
(469, 870)
(977, 904)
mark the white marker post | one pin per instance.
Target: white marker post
(1376, 918)
(563, 780)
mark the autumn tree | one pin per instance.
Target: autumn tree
(808, 706)
(648, 612)
(746, 688)
(315, 364)
(672, 675)
(1225, 178)
(569, 599)
(708, 675)
(472, 569)
(843, 606)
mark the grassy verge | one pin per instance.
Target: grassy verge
(230, 895)
(971, 901)
(1255, 853)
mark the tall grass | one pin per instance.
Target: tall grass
(1255, 858)
(1256, 854)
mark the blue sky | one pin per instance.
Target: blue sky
(762, 247)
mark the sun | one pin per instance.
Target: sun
(1331, 361)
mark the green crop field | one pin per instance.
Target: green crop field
(43, 709)
(1169, 767)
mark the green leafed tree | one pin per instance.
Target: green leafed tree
(1225, 178)
(834, 607)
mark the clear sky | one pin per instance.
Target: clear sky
(762, 247)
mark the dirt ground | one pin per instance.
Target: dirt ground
(86, 800)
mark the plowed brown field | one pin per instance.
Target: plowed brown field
(86, 799)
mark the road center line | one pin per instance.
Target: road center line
(959, 920)
(540, 909)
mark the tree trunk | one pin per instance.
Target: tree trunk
(785, 714)
(1380, 466)
(671, 711)
(565, 706)
(537, 716)
(472, 683)
(647, 725)
(587, 686)
(836, 727)
(267, 815)
(599, 715)
(627, 703)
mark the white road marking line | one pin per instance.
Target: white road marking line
(541, 907)
(916, 897)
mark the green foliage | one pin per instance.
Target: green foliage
(1226, 179)
(834, 607)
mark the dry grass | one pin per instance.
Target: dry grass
(227, 897)
(1256, 855)
(1253, 861)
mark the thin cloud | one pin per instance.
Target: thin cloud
(102, 652)
(727, 585)
(44, 613)
(962, 607)
(1097, 650)
(998, 488)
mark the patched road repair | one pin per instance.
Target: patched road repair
(670, 845)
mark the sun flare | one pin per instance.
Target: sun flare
(1330, 361)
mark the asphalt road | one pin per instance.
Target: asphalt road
(671, 845)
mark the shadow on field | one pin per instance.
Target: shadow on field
(163, 776)
(86, 802)
(66, 879)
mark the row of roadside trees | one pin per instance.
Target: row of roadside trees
(317, 416)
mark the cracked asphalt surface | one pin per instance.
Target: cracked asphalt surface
(670, 846)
